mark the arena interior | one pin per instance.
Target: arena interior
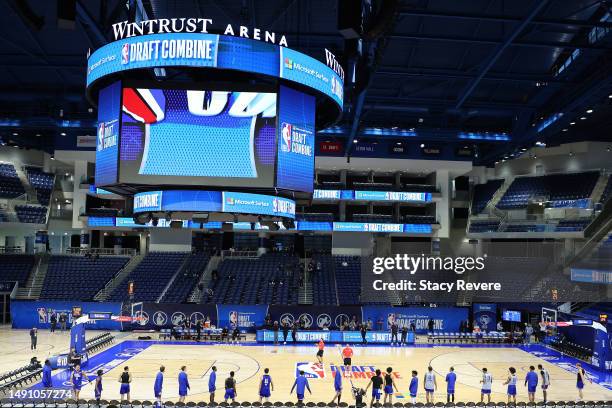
(306, 202)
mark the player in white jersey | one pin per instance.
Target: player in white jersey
(545, 381)
(487, 382)
(430, 384)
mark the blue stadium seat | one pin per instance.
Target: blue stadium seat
(31, 214)
(10, 185)
(16, 267)
(185, 281)
(553, 187)
(42, 182)
(77, 277)
(483, 193)
(150, 277)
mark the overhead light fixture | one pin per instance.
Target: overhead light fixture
(398, 143)
(572, 123)
(571, 154)
(589, 111)
(524, 149)
(422, 145)
(38, 135)
(583, 118)
(564, 130)
(15, 134)
(355, 141)
(52, 158)
(63, 134)
(421, 120)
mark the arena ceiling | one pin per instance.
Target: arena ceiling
(526, 68)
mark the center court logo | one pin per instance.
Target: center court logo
(125, 54)
(311, 370)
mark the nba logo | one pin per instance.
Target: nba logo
(288, 63)
(286, 137)
(100, 135)
(311, 370)
(125, 54)
(275, 205)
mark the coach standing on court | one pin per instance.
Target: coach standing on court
(294, 332)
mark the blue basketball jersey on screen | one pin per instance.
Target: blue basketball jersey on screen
(109, 108)
(188, 141)
(296, 135)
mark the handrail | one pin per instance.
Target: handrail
(100, 251)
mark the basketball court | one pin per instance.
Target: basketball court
(248, 361)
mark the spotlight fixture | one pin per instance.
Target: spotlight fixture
(583, 118)
(564, 130)
(422, 145)
(589, 111)
(572, 123)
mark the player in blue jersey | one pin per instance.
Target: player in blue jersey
(212, 383)
(451, 379)
(337, 386)
(389, 386)
(46, 375)
(158, 385)
(76, 378)
(183, 382)
(511, 383)
(300, 385)
(414, 386)
(531, 382)
(265, 386)
(98, 386)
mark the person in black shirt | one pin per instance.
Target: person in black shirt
(63, 320)
(363, 331)
(275, 329)
(198, 330)
(224, 334)
(285, 328)
(393, 333)
(235, 334)
(430, 325)
(33, 338)
(376, 382)
(53, 321)
(404, 335)
(294, 332)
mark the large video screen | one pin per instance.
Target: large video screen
(108, 134)
(296, 123)
(223, 138)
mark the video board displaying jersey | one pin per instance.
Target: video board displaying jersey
(296, 129)
(108, 134)
(198, 137)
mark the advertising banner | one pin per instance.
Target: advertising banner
(485, 314)
(444, 318)
(243, 316)
(28, 314)
(315, 317)
(107, 146)
(164, 315)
